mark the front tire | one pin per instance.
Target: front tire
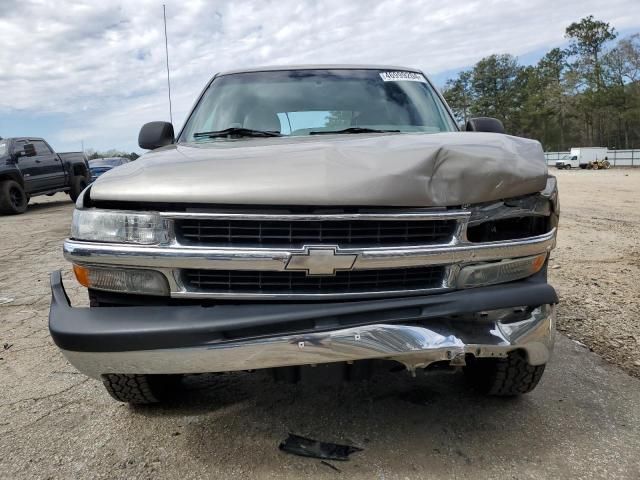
(140, 389)
(13, 199)
(504, 377)
(78, 184)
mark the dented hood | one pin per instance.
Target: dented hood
(443, 169)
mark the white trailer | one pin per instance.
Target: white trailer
(580, 157)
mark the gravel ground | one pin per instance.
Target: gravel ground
(583, 421)
(596, 266)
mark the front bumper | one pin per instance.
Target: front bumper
(416, 331)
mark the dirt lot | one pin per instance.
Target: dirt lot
(583, 421)
(596, 267)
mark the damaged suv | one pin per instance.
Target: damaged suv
(317, 215)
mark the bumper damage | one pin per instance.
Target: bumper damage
(416, 331)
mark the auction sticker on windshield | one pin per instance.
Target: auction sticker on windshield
(402, 76)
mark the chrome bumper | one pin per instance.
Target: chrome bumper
(496, 334)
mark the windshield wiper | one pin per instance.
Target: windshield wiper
(354, 130)
(236, 132)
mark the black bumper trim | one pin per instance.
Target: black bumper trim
(121, 329)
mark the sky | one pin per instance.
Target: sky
(93, 73)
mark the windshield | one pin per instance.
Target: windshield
(3, 148)
(106, 162)
(304, 102)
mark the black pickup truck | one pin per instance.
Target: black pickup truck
(30, 167)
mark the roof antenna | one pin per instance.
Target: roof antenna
(166, 49)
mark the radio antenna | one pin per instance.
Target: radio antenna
(166, 49)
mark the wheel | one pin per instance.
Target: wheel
(78, 184)
(504, 377)
(140, 389)
(567, 167)
(13, 199)
(583, 166)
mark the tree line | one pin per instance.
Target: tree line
(587, 94)
(93, 154)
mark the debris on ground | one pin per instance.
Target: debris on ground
(332, 467)
(307, 447)
(7, 346)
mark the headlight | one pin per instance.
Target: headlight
(551, 192)
(500, 272)
(119, 227)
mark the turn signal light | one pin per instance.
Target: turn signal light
(500, 272)
(82, 275)
(125, 280)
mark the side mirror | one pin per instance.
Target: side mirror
(484, 124)
(155, 135)
(29, 150)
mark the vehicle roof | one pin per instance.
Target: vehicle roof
(24, 138)
(337, 66)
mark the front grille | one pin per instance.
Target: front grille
(343, 233)
(352, 281)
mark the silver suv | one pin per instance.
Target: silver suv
(314, 215)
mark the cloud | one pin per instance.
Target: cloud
(100, 65)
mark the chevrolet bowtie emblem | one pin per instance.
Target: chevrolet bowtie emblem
(320, 261)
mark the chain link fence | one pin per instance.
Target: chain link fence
(617, 158)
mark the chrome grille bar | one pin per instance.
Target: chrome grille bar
(406, 215)
(179, 257)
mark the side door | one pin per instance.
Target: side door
(26, 165)
(574, 161)
(49, 168)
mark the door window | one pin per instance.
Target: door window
(41, 148)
